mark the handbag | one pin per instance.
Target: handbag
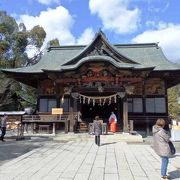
(172, 148)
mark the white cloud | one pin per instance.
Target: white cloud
(56, 22)
(115, 15)
(47, 2)
(86, 37)
(168, 36)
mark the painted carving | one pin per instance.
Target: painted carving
(154, 86)
(138, 88)
(47, 87)
(98, 50)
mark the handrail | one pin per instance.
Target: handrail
(47, 118)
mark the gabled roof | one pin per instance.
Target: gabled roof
(121, 55)
(100, 46)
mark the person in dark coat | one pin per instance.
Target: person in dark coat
(161, 146)
(97, 130)
(3, 125)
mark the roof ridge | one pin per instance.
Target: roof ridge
(65, 47)
(116, 45)
(137, 45)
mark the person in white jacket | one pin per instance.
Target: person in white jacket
(161, 146)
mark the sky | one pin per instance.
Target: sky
(75, 22)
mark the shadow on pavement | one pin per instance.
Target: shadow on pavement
(103, 144)
(175, 174)
(11, 148)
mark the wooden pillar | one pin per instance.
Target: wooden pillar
(125, 115)
(166, 98)
(54, 132)
(118, 108)
(71, 116)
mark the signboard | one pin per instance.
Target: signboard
(57, 111)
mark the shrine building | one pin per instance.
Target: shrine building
(130, 80)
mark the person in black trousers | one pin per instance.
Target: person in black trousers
(97, 130)
(3, 125)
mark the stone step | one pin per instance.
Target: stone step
(110, 137)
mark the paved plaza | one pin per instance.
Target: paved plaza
(81, 159)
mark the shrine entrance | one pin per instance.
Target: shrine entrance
(104, 111)
(101, 108)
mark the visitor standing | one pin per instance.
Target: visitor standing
(97, 130)
(78, 119)
(3, 126)
(161, 146)
(113, 122)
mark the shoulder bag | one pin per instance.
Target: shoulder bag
(172, 148)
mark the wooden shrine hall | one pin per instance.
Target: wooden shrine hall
(130, 80)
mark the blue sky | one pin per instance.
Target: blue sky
(123, 21)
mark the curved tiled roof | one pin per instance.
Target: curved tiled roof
(98, 58)
(139, 56)
(148, 55)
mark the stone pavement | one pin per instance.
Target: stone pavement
(83, 160)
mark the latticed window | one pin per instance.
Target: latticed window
(46, 105)
(135, 105)
(155, 105)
